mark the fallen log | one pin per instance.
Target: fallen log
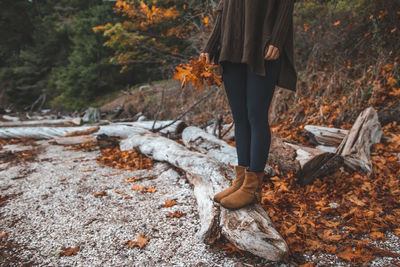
(315, 163)
(83, 132)
(32, 123)
(121, 129)
(73, 140)
(54, 132)
(249, 228)
(175, 128)
(305, 163)
(327, 136)
(356, 145)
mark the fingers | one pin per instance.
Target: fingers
(206, 57)
(272, 53)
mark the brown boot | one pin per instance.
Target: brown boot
(239, 170)
(249, 192)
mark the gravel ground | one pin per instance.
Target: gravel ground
(51, 205)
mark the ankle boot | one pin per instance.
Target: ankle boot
(249, 192)
(239, 170)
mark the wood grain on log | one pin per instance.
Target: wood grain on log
(326, 135)
(356, 145)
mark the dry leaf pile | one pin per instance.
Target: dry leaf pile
(127, 160)
(341, 213)
(197, 72)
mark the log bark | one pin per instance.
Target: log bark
(356, 145)
(248, 228)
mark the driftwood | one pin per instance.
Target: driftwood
(175, 128)
(32, 123)
(249, 228)
(54, 132)
(306, 163)
(83, 132)
(327, 136)
(74, 140)
(356, 145)
(315, 163)
(121, 129)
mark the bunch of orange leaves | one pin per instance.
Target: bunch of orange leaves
(198, 72)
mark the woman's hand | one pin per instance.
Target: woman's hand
(272, 53)
(205, 56)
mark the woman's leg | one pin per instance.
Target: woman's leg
(234, 77)
(259, 95)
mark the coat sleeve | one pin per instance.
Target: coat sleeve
(283, 20)
(211, 46)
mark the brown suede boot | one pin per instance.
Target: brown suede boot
(249, 192)
(239, 170)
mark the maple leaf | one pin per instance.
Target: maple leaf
(69, 251)
(169, 203)
(141, 241)
(198, 72)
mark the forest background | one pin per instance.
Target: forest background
(81, 53)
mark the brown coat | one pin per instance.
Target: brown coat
(245, 28)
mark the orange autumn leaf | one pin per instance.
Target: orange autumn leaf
(356, 255)
(397, 232)
(141, 241)
(143, 189)
(133, 179)
(291, 230)
(197, 72)
(175, 214)
(328, 236)
(377, 236)
(102, 193)
(169, 203)
(230, 248)
(69, 251)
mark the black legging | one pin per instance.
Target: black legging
(249, 98)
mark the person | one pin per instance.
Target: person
(252, 41)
